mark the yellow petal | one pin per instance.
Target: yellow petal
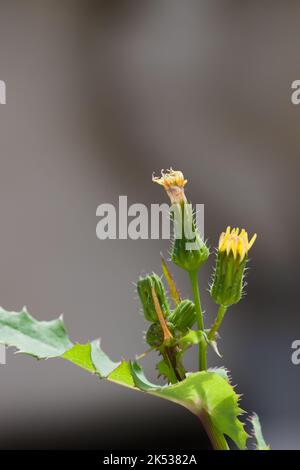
(234, 247)
(236, 240)
(242, 249)
(221, 240)
(252, 241)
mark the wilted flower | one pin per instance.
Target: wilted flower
(173, 181)
(188, 250)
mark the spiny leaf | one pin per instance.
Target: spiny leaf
(45, 339)
(257, 432)
(214, 345)
(80, 354)
(140, 380)
(103, 364)
(165, 371)
(222, 371)
(191, 338)
(202, 392)
(92, 358)
(122, 375)
(41, 339)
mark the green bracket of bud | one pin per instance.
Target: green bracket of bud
(189, 251)
(184, 316)
(144, 289)
(227, 285)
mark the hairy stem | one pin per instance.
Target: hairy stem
(169, 351)
(218, 321)
(174, 364)
(196, 294)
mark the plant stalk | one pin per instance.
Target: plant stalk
(216, 438)
(177, 368)
(196, 294)
(218, 321)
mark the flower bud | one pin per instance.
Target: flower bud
(184, 316)
(232, 256)
(144, 288)
(189, 251)
(155, 335)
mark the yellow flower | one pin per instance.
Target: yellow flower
(236, 241)
(173, 182)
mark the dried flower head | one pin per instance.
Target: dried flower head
(173, 182)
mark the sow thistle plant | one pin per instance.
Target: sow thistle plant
(174, 325)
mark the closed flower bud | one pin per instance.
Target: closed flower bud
(232, 256)
(144, 288)
(184, 316)
(189, 251)
(155, 334)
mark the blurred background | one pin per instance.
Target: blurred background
(99, 95)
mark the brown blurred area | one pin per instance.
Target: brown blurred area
(99, 95)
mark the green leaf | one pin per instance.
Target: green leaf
(165, 371)
(122, 375)
(91, 357)
(42, 339)
(257, 432)
(222, 371)
(191, 338)
(80, 354)
(203, 393)
(209, 395)
(140, 380)
(45, 339)
(102, 363)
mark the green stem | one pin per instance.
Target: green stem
(218, 321)
(174, 364)
(166, 355)
(216, 438)
(196, 294)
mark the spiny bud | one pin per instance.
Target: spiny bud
(144, 288)
(232, 256)
(189, 251)
(184, 316)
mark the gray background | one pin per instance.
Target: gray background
(100, 95)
